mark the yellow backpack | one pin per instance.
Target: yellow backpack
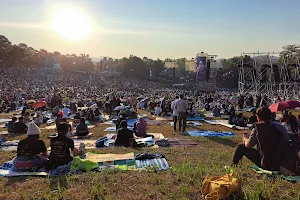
(220, 187)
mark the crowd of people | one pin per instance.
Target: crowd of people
(86, 97)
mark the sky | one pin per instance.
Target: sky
(157, 28)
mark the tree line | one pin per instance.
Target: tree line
(21, 55)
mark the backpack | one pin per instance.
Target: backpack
(220, 187)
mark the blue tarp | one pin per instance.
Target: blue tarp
(209, 133)
(197, 118)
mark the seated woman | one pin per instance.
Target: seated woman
(124, 136)
(31, 152)
(140, 128)
(82, 128)
(60, 148)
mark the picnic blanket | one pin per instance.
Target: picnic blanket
(110, 122)
(53, 127)
(163, 118)
(226, 124)
(53, 135)
(8, 145)
(157, 163)
(209, 133)
(4, 133)
(154, 122)
(190, 123)
(4, 120)
(104, 161)
(196, 118)
(113, 129)
(276, 174)
(174, 142)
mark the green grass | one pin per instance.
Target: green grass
(189, 167)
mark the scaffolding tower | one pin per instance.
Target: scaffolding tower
(269, 74)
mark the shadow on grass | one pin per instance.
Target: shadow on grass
(12, 180)
(223, 140)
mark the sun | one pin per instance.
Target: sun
(71, 24)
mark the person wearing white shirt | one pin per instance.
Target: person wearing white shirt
(182, 107)
(175, 114)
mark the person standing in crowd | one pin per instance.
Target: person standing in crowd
(182, 108)
(273, 150)
(175, 114)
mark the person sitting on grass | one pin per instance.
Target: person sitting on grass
(31, 152)
(82, 128)
(240, 120)
(252, 119)
(119, 120)
(216, 111)
(273, 151)
(124, 136)
(11, 128)
(60, 148)
(140, 128)
(20, 127)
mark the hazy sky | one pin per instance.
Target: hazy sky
(158, 28)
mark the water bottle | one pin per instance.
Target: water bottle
(82, 149)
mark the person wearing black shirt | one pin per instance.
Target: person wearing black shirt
(253, 118)
(82, 128)
(11, 128)
(124, 136)
(31, 152)
(60, 148)
(20, 127)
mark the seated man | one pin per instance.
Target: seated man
(272, 143)
(11, 128)
(20, 126)
(252, 119)
(60, 148)
(82, 128)
(124, 136)
(31, 152)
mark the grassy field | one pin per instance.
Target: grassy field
(189, 166)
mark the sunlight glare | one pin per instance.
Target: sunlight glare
(71, 24)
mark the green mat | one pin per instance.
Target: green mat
(276, 174)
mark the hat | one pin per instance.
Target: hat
(33, 129)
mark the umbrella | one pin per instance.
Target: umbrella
(119, 108)
(39, 104)
(30, 101)
(284, 105)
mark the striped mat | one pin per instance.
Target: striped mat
(158, 163)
